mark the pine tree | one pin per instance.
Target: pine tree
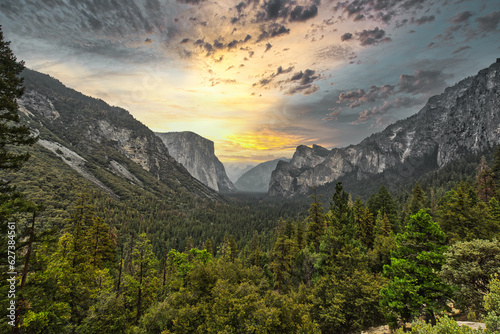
(383, 202)
(418, 200)
(485, 182)
(416, 286)
(11, 88)
(316, 226)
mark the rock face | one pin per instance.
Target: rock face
(464, 119)
(257, 179)
(94, 138)
(197, 155)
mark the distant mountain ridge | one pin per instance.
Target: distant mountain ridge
(257, 179)
(464, 119)
(197, 155)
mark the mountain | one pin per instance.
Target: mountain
(235, 169)
(465, 119)
(103, 144)
(257, 179)
(197, 154)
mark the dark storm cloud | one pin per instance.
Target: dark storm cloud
(489, 22)
(423, 20)
(423, 82)
(300, 13)
(345, 37)
(461, 17)
(371, 37)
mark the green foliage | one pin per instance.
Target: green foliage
(316, 224)
(443, 325)
(383, 202)
(415, 286)
(464, 217)
(492, 305)
(469, 266)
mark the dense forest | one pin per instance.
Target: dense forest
(76, 260)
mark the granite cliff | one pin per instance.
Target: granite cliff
(197, 155)
(464, 119)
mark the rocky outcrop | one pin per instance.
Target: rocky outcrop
(197, 155)
(257, 179)
(464, 119)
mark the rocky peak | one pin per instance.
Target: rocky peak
(464, 119)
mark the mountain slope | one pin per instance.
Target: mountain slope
(197, 155)
(464, 119)
(94, 138)
(257, 179)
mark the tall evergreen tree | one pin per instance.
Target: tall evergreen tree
(415, 285)
(418, 200)
(383, 202)
(485, 182)
(316, 227)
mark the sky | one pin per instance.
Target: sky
(258, 77)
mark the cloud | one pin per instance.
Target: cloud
(382, 10)
(333, 115)
(268, 46)
(191, 2)
(300, 13)
(399, 102)
(423, 20)
(267, 80)
(356, 97)
(273, 30)
(371, 37)
(461, 17)
(489, 22)
(463, 48)
(345, 37)
(305, 77)
(304, 89)
(423, 82)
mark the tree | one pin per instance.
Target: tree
(415, 286)
(485, 182)
(463, 217)
(316, 227)
(417, 200)
(11, 88)
(383, 202)
(12, 133)
(363, 219)
(469, 267)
